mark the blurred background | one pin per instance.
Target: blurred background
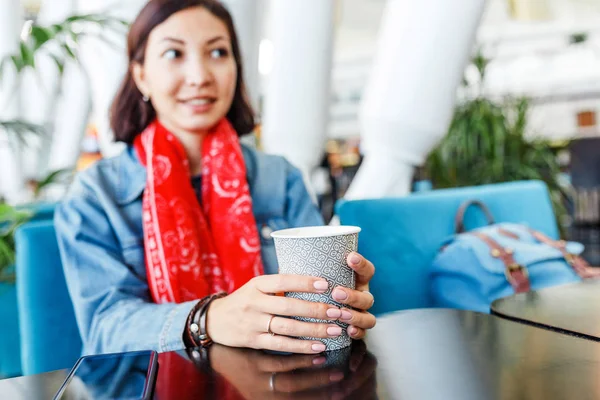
(369, 98)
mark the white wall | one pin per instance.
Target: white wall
(530, 58)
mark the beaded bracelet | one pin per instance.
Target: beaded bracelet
(196, 331)
(188, 337)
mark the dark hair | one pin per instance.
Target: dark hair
(129, 114)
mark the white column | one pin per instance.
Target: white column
(297, 100)
(248, 26)
(409, 99)
(72, 115)
(12, 181)
(43, 91)
(91, 83)
(106, 65)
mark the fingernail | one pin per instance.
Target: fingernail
(354, 259)
(336, 376)
(334, 313)
(352, 331)
(319, 361)
(346, 315)
(318, 347)
(321, 285)
(334, 331)
(340, 294)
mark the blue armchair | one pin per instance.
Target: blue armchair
(10, 355)
(10, 358)
(42, 211)
(401, 236)
(49, 336)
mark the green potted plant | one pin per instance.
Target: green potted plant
(487, 143)
(60, 43)
(10, 219)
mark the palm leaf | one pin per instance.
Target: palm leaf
(21, 129)
(10, 219)
(40, 36)
(68, 30)
(60, 64)
(21, 126)
(51, 178)
(486, 143)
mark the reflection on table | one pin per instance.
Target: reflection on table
(418, 354)
(451, 354)
(572, 309)
(228, 373)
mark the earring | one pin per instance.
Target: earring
(146, 98)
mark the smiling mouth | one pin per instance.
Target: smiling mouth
(199, 101)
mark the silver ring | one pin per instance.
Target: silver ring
(272, 382)
(269, 331)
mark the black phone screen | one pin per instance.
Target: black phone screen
(111, 376)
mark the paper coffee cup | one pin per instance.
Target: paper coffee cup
(319, 251)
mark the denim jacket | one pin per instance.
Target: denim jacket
(99, 231)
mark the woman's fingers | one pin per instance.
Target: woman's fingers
(280, 283)
(356, 333)
(290, 307)
(288, 345)
(359, 319)
(291, 327)
(364, 270)
(353, 298)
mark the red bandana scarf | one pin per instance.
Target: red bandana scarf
(194, 250)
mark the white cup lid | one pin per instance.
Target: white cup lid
(315, 231)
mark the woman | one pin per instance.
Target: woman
(147, 238)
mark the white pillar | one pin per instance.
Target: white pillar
(409, 99)
(12, 181)
(72, 115)
(248, 26)
(42, 92)
(106, 65)
(297, 100)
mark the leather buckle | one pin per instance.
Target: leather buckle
(570, 258)
(515, 268)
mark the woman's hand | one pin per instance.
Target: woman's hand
(258, 375)
(243, 318)
(360, 299)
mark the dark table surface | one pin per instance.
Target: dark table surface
(419, 354)
(572, 309)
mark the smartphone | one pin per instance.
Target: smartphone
(130, 376)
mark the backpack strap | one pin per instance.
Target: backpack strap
(579, 265)
(508, 233)
(516, 274)
(459, 219)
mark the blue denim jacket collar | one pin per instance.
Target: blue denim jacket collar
(132, 175)
(132, 178)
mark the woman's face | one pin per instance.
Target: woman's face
(189, 72)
